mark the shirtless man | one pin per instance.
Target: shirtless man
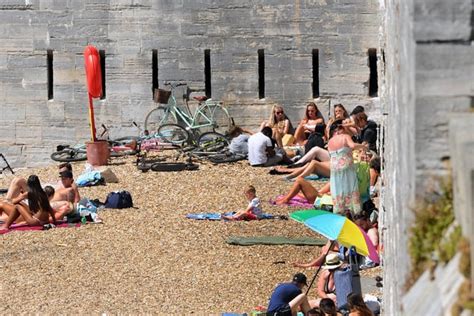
(67, 190)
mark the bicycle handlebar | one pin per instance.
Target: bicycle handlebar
(174, 85)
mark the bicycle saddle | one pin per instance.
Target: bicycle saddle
(200, 98)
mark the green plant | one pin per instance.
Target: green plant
(433, 215)
(449, 247)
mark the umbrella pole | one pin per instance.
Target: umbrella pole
(320, 266)
(91, 118)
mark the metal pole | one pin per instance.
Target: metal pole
(320, 266)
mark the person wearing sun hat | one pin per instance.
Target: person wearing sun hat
(326, 286)
(287, 298)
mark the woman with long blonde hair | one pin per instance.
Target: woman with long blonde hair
(279, 123)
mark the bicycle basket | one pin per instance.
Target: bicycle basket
(161, 96)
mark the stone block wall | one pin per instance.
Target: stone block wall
(429, 78)
(31, 125)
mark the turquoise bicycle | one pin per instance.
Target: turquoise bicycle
(177, 125)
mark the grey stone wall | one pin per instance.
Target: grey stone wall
(31, 126)
(398, 101)
(429, 76)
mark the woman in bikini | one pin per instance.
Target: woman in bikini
(307, 125)
(37, 212)
(279, 123)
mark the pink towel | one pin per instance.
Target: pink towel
(296, 201)
(22, 227)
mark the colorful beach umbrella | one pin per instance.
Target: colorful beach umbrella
(340, 228)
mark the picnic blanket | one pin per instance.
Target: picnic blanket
(23, 227)
(275, 240)
(218, 216)
(296, 201)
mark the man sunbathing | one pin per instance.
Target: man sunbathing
(67, 190)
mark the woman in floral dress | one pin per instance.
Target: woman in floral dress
(343, 181)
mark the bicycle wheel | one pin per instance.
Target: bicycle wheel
(221, 120)
(157, 117)
(226, 158)
(178, 166)
(69, 155)
(212, 142)
(173, 134)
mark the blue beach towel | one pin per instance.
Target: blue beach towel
(89, 178)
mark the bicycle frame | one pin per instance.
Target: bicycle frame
(190, 121)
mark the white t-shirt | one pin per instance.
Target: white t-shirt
(255, 206)
(258, 144)
(239, 144)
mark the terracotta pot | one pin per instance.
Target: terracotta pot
(98, 152)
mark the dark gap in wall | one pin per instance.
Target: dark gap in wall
(154, 71)
(451, 41)
(102, 70)
(315, 73)
(472, 27)
(261, 73)
(207, 72)
(373, 80)
(49, 65)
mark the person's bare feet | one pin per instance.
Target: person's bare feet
(281, 201)
(229, 218)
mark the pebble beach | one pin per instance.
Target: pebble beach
(151, 259)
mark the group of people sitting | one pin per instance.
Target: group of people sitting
(27, 201)
(343, 150)
(288, 299)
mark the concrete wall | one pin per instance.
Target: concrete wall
(180, 30)
(398, 101)
(429, 76)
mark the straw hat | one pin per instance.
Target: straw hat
(332, 261)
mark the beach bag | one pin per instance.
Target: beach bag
(119, 199)
(288, 140)
(324, 203)
(347, 280)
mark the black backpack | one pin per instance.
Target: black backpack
(119, 199)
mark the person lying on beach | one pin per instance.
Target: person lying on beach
(253, 209)
(304, 189)
(38, 211)
(60, 208)
(65, 189)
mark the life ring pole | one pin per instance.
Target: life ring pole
(91, 118)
